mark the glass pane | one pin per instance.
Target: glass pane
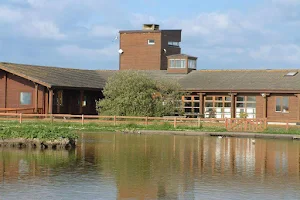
(188, 98)
(251, 98)
(219, 98)
(278, 104)
(240, 105)
(25, 98)
(285, 104)
(240, 98)
(219, 105)
(227, 98)
(188, 104)
(227, 105)
(183, 65)
(188, 110)
(209, 98)
(209, 104)
(251, 105)
(196, 104)
(196, 110)
(197, 98)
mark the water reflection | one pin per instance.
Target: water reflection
(115, 166)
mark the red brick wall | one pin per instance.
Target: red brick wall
(138, 54)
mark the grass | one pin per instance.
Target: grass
(282, 130)
(48, 130)
(32, 131)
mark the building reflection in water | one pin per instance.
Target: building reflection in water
(161, 167)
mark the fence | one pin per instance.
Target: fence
(246, 125)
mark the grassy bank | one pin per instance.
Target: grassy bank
(40, 129)
(33, 131)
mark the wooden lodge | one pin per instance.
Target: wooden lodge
(271, 94)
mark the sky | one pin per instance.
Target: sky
(223, 34)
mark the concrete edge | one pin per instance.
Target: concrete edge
(223, 134)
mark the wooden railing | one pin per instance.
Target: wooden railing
(234, 124)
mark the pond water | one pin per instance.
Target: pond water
(121, 166)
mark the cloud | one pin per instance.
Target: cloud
(8, 15)
(289, 53)
(103, 31)
(95, 54)
(42, 29)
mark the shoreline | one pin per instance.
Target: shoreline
(223, 134)
(38, 144)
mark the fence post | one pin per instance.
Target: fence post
(266, 124)
(287, 126)
(226, 123)
(199, 122)
(115, 120)
(146, 120)
(175, 122)
(82, 119)
(51, 118)
(20, 120)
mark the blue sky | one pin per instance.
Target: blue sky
(232, 34)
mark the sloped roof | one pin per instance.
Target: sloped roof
(241, 80)
(201, 80)
(59, 77)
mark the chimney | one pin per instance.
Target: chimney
(150, 27)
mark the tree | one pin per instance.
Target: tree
(133, 93)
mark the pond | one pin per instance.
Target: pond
(124, 166)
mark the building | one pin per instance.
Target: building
(272, 94)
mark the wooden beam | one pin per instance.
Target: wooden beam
(201, 104)
(58, 102)
(233, 95)
(265, 108)
(36, 99)
(50, 110)
(5, 91)
(298, 113)
(81, 101)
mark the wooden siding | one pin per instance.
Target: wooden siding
(16, 85)
(293, 108)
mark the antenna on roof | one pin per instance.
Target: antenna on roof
(116, 38)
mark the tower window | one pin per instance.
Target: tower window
(151, 42)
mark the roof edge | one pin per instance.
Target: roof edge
(25, 76)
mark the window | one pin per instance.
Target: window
(59, 98)
(25, 98)
(282, 104)
(217, 106)
(84, 101)
(173, 44)
(151, 42)
(246, 106)
(192, 64)
(191, 105)
(177, 63)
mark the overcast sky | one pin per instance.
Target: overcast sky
(223, 34)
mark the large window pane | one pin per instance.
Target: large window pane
(278, 104)
(251, 105)
(240, 105)
(227, 98)
(25, 98)
(251, 98)
(219, 105)
(227, 105)
(218, 98)
(208, 104)
(240, 98)
(209, 98)
(285, 104)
